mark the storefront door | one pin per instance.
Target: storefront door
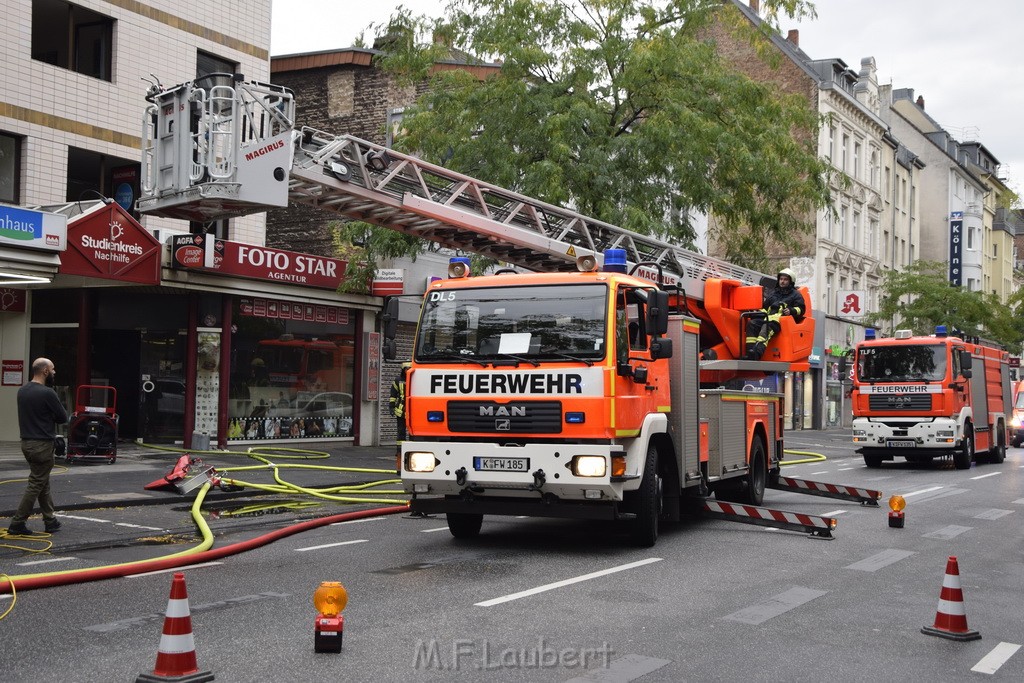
(147, 369)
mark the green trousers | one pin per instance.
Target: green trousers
(39, 454)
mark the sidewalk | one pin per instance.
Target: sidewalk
(103, 505)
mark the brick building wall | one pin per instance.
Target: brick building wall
(348, 99)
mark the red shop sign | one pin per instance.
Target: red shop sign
(260, 263)
(108, 243)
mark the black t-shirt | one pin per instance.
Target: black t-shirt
(38, 410)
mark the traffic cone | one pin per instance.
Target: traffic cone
(950, 617)
(176, 656)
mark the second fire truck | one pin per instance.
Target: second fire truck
(921, 397)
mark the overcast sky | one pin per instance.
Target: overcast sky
(964, 58)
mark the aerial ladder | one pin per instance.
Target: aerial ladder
(213, 151)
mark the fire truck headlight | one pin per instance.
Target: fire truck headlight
(1015, 422)
(419, 461)
(944, 432)
(589, 466)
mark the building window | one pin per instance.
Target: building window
(888, 183)
(856, 160)
(831, 143)
(873, 169)
(845, 151)
(842, 225)
(218, 228)
(72, 37)
(10, 168)
(856, 232)
(91, 172)
(207, 64)
(830, 282)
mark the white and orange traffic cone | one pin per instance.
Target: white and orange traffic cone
(176, 655)
(950, 617)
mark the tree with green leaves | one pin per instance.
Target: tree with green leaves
(922, 297)
(620, 109)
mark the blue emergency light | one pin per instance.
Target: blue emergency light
(941, 331)
(869, 333)
(615, 261)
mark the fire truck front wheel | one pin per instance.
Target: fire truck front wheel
(648, 502)
(965, 454)
(464, 524)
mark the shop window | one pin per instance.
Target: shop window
(72, 37)
(291, 377)
(10, 168)
(207, 64)
(218, 228)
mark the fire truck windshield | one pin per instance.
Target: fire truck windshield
(902, 363)
(543, 322)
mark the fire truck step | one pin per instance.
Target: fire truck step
(816, 526)
(867, 497)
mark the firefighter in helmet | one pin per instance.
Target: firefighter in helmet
(397, 402)
(784, 299)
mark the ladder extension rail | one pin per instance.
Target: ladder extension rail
(407, 194)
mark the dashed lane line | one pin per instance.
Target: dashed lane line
(46, 561)
(994, 513)
(947, 532)
(357, 521)
(172, 569)
(566, 582)
(332, 545)
(986, 476)
(430, 531)
(990, 663)
(774, 606)
(882, 559)
(622, 670)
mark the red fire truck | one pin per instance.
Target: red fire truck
(921, 397)
(590, 394)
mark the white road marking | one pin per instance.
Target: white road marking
(843, 469)
(430, 531)
(139, 526)
(566, 582)
(917, 493)
(47, 561)
(84, 519)
(1019, 501)
(357, 521)
(820, 472)
(774, 606)
(990, 663)
(882, 559)
(332, 545)
(833, 513)
(622, 670)
(986, 476)
(173, 569)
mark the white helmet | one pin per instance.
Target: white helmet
(789, 273)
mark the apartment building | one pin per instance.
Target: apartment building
(240, 353)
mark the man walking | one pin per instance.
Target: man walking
(38, 410)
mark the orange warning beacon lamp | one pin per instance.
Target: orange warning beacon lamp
(330, 598)
(896, 517)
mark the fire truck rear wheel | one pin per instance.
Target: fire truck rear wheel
(648, 503)
(464, 524)
(754, 483)
(962, 458)
(998, 454)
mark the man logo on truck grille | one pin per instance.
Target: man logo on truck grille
(503, 425)
(898, 400)
(502, 411)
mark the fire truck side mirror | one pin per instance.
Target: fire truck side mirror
(388, 350)
(657, 313)
(661, 347)
(390, 318)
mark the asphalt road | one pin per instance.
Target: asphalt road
(554, 600)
